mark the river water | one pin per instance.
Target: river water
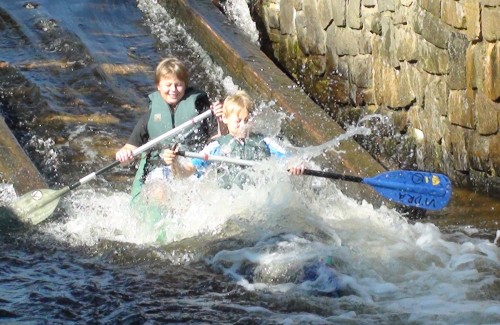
(285, 251)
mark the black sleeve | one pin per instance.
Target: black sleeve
(140, 133)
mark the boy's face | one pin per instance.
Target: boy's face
(171, 89)
(237, 123)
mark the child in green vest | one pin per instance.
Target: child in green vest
(239, 143)
(172, 104)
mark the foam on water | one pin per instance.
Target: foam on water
(301, 237)
(291, 226)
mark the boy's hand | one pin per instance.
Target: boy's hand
(170, 155)
(216, 107)
(125, 154)
(296, 170)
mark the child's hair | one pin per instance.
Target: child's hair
(239, 100)
(169, 67)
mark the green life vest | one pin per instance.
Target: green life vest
(163, 119)
(252, 148)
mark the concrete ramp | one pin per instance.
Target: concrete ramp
(16, 168)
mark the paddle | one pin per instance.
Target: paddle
(425, 190)
(37, 205)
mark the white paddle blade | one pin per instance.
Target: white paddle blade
(36, 206)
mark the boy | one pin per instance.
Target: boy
(172, 104)
(239, 143)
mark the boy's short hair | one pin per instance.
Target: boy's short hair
(171, 66)
(239, 99)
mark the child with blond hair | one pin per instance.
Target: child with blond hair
(238, 143)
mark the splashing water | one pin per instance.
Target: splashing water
(295, 238)
(238, 12)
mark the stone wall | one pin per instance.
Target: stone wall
(431, 66)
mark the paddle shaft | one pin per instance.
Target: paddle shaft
(348, 178)
(207, 157)
(145, 147)
(251, 163)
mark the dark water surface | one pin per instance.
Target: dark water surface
(293, 251)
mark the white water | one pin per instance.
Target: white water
(376, 261)
(238, 12)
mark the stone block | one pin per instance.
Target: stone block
(416, 20)
(401, 16)
(473, 21)
(414, 117)
(347, 41)
(287, 49)
(353, 14)
(470, 66)
(495, 153)
(418, 80)
(435, 31)
(478, 152)
(376, 25)
(453, 13)
(432, 6)
(369, 3)
(387, 5)
(332, 58)
(339, 12)
(361, 69)
(310, 36)
(298, 4)
(487, 115)
(457, 49)
(325, 11)
(490, 23)
(286, 17)
(490, 3)
(272, 15)
(367, 17)
(436, 95)
(301, 30)
(433, 59)
(275, 35)
(460, 110)
(459, 154)
(492, 71)
(392, 87)
(406, 44)
(388, 43)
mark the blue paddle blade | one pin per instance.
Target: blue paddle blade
(419, 189)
